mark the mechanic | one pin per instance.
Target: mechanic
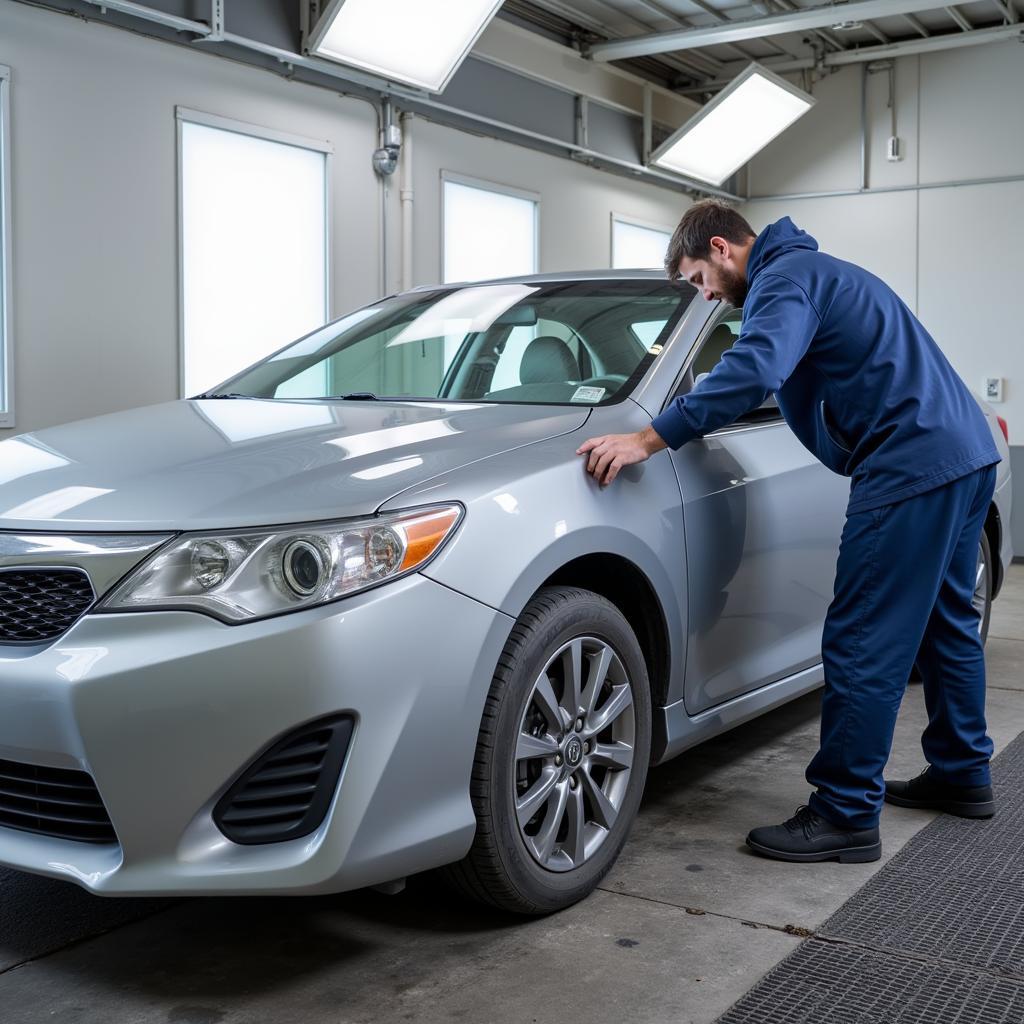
(865, 387)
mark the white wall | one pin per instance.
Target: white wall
(94, 218)
(951, 253)
(94, 202)
(576, 201)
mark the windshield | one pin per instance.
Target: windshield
(559, 343)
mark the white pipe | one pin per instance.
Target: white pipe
(406, 195)
(879, 189)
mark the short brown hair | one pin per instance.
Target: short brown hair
(702, 222)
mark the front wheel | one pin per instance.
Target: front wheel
(561, 757)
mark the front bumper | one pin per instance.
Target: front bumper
(164, 709)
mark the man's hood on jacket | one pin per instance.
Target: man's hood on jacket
(777, 239)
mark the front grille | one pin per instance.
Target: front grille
(37, 605)
(286, 791)
(57, 802)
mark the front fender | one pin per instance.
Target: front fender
(532, 510)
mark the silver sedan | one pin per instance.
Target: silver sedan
(361, 611)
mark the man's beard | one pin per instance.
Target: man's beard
(734, 287)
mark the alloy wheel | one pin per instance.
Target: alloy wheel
(574, 754)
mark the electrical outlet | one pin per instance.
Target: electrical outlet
(894, 149)
(992, 389)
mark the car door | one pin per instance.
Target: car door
(762, 520)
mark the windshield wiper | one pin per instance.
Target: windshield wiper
(214, 394)
(353, 396)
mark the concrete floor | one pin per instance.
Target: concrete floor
(687, 921)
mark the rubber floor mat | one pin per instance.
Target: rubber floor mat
(936, 937)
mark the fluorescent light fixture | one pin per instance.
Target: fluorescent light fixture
(739, 122)
(419, 42)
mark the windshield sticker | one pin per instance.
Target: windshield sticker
(587, 394)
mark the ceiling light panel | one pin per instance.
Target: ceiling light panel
(418, 42)
(740, 121)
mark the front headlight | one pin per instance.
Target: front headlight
(249, 574)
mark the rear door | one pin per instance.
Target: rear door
(762, 522)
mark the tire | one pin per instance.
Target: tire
(545, 836)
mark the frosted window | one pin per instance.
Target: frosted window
(635, 247)
(254, 252)
(487, 234)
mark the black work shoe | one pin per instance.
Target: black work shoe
(925, 791)
(807, 836)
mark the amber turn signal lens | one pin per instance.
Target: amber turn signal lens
(424, 534)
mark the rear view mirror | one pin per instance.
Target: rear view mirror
(523, 315)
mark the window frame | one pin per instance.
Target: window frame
(484, 185)
(6, 249)
(635, 222)
(188, 115)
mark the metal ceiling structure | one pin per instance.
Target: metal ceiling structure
(698, 46)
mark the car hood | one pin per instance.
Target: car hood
(247, 462)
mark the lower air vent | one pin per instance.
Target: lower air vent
(53, 802)
(285, 793)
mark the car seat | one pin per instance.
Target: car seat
(547, 360)
(719, 342)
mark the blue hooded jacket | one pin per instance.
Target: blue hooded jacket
(859, 380)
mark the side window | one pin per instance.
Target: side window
(717, 343)
(647, 331)
(720, 339)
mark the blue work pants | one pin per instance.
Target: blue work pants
(904, 585)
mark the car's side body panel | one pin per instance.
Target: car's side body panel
(763, 519)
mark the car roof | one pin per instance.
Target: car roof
(567, 275)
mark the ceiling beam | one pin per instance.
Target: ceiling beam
(827, 37)
(916, 25)
(965, 25)
(866, 54)
(876, 32)
(764, 6)
(698, 67)
(756, 28)
(1006, 9)
(721, 18)
(653, 5)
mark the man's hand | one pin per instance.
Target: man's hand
(610, 452)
